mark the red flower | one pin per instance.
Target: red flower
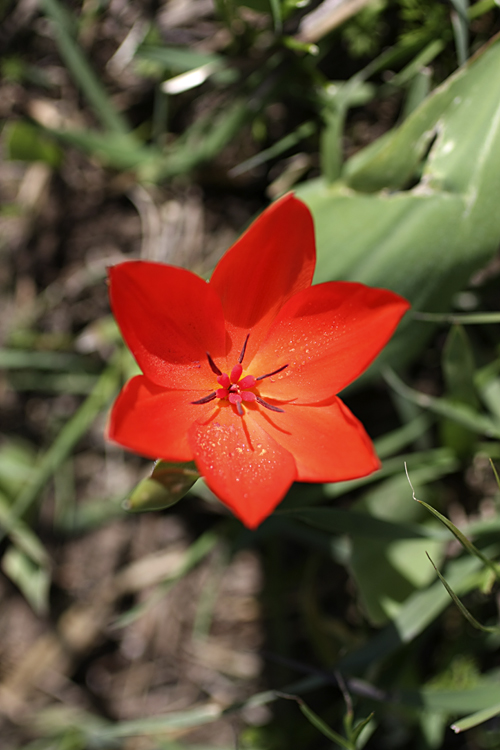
(241, 374)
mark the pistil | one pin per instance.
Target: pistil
(234, 388)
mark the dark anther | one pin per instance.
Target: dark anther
(240, 358)
(275, 372)
(213, 366)
(268, 406)
(205, 399)
(239, 409)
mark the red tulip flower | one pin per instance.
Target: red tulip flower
(241, 373)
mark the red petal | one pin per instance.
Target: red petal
(328, 443)
(169, 319)
(328, 335)
(242, 465)
(273, 260)
(154, 422)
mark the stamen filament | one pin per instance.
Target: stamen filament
(268, 406)
(240, 358)
(205, 399)
(213, 366)
(275, 372)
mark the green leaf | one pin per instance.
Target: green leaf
(23, 537)
(77, 64)
(289, 141)
(26, 142)
(173, 721)
(459, 318)
(458, 367)
(357, 524)
(317, 722)
(324, 728)
(421, 240)
(460, 24)
(118, 150)
(466, 543)
(63, 445)
(32, 579)
(168, 483)
(178, 59)
(418, 611)
(479, 717)
(463, 609)
(388, 572)
(458, 372)
(17, 460)
(360, 727)
(463, 414)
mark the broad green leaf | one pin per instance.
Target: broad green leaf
(422, 240)
(386, 572)
(415, 615)
(485, 694)
(458, 367)
(458, 372)
(435, 463)
(359, 524)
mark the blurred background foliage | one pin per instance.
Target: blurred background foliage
(362, 614)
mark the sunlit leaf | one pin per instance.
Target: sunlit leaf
(416, 211)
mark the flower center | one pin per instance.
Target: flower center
(234, 388)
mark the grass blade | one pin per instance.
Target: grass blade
(466, 543)
(81, 71)
(460, 413)
(458, 318)
(476, 718)
(62, 446)
(463, 609)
